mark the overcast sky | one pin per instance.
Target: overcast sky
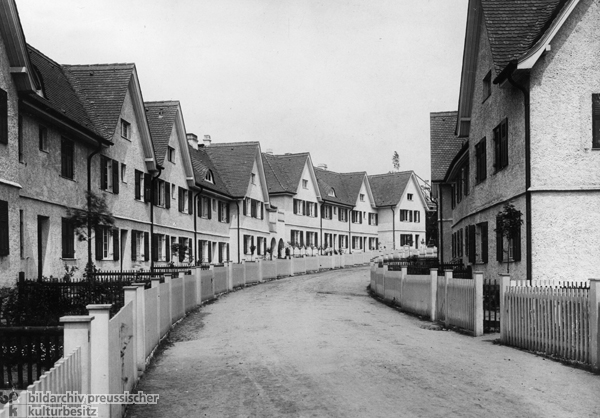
(349, 81)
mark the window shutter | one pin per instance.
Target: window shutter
(98, 240)
(3, 117)
(167, 195)
(201, 251)
(115, 176)
(209, 252)
(227, 212)
(4, 241)
(190, 200)
(262, 210)
(116, 248)
(168, 248)
(228, 252)
(138, 185)
(596, 120)
(154, 247)
(134, 235)
(499, 239)
(147, 188)
(146, 246)
(245, 207)
(181, 253)
(472, 244)
(103, 169)
(209, 210)
(517, 246)
(484, 242)
(301, 238)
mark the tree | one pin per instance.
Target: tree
(396, 161)
(509, 222)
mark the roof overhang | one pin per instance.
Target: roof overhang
(459, 159)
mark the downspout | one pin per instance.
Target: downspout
(350, 232)
(237, 203)
(152, 215)
(441, 226)
(393, 228)
(527, 105)
(195, 224)
(89, 202)
(321, 227)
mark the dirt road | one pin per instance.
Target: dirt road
(319, 346)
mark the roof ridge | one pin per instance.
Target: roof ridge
(102, 66)
(444, 113)
(162, 102)
(392, 174)
(226, 144)
(291, 154)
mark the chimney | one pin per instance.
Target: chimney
(270, 151)
(207, 140)
(192, 140)
(322, 166)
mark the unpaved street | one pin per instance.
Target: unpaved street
(319, 346)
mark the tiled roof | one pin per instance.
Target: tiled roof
(234, 162)
(102, 88)
(161, 117)
(329, 180)
(444, 144)
(283, 172)
(514, 26)
(202, 164)
(353, 182)
(58, 92)
(388, 188)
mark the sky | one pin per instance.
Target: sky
(350, 81)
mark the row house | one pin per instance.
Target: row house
(529, 121)
(402, 209)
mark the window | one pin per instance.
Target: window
(248, 244)
(209, 177)
(331, 193)
(404, 215)
(171, 154)
(223, 252)
(417, 216)
(512, 250)
(343, 215)
(356, 217)
(66, 158)
(260, 246)
(311, 209)
(205, 208)
(297, 238)
(162, 191)
(223, 212)
(409, 196)
(373, 219)
(140, 246)
(254, 208)
(4, 241)
(501, 145)
(43, 138)
(159, 247)
(20, 139)
(21, 235)
(298, 207)
(142, 186)
(205, 251)
(362, 197)
(253, 178)
(464, 178)
(183, 200)
(480, 161)
(596, 121)
(343, 241)
(109, 175)
(3, 117)
(481, 244)
(107, 243)
(125, 129)
(327, 212)
(487, 85)
(68, 239)
(406, 239)
(304, 184)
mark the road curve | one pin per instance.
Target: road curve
(319, 346)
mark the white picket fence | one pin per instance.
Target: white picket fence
(109, 354)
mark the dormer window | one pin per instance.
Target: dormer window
(209, 177)
(331, 193)
(487, 86)
(409, 196)
(125, 129)
(171, 154)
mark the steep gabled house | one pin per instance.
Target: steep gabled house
(402, 210)
(126, 173)
(445, 145)
(349, 217)
(213, 205)
(530, 107)
(294, 191)
(240, 166)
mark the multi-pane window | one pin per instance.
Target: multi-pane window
(254, 208)
(356, 217)
(343, 215)
(184, 200)
(406, 239)
(142, 186)
(43, 138)
(417, 216)
(140, 246)
(409, 196)
(162, 193)
(596, 121)
(109, 175)
(343, 241)
(362, 197)
(373, 219)
(298, 207)
(373, 244)
(327, 212)
(481, 245)
(68, 239)
(501, 145)
(512, 250)
(248, 244)
(67, 150)
(125, 129)
(404, 215)
(4, 241)
(205, 209)
(3, 117)
(107, 243)
(480, 161)
(223, 208)
(209, 177)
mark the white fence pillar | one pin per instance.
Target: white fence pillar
(100, 353)
(140, 326)
(594, 300)
(448, 278)
(404, 273)
(478, 301)
(130, 293)
(77, 334)
(433, 293)
(198, 285)
(156, 283)
(170, 302)
(504, 285)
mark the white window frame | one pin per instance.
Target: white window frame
(125, 129)
(304, 184)
(124, 173)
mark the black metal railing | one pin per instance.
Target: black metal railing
(491, 305)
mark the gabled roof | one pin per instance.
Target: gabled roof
(234, 162)
(202, 164)
(57, 92)
(161, 118)
(514, 26)
(340, 184)
(444, 143)
(283, 172)
(389, 188)
(103, 88)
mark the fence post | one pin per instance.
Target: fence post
(100, 353)
(478, 301)
(77, 334)
(504, 285)
(433, 312)
(594, 324)
(170, 285)
(156, 284)
(448, 278)
(140, 326)
(404, 273)
(130, 293)
(198, 285)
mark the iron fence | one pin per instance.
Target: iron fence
(491, 305)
